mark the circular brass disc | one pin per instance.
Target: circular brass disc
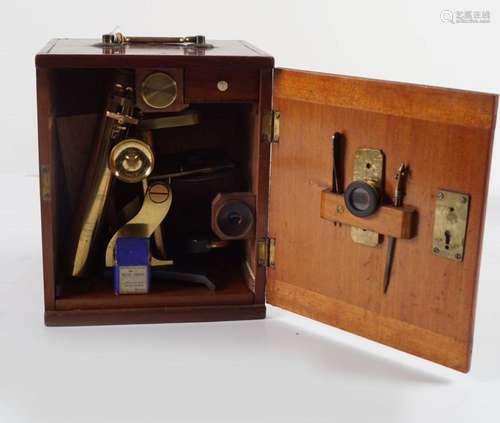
(159, 90)
(131, 160)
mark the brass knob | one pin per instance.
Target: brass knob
(222, 86)
(159, 193)
(159, 90)
(131, 160)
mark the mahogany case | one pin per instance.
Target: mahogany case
(301, 256)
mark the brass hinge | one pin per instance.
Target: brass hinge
(271, 127)
(45, 188)
(266, 248)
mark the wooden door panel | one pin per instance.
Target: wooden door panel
(446, 137)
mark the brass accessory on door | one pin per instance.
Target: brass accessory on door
(363, 195)
(131, 160)
(157, 203)
(399, 193)
(338, 141)
(158, 90)
(398, 222)
(450, 224)
(361, 205)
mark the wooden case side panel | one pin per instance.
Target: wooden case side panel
(46, 153)
(260, 164)
(446, 137)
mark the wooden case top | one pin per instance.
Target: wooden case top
(446, 138)
(91, 53)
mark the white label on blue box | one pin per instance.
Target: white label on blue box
(133, 279)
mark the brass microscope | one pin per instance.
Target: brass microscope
(126, 170)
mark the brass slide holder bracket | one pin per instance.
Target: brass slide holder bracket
(368, 169)
(157, 203)
(451, 216)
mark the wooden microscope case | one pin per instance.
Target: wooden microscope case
(299, 259)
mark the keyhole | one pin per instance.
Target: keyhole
(447, 239)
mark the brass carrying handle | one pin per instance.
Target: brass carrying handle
(117, 38)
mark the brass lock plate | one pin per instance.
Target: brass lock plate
(450, 224)
(368, 166)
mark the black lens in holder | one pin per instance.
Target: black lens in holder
(235, 219)
(362, 199)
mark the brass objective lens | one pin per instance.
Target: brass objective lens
(159, 90)
(131, 160)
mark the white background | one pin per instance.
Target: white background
(284, 368)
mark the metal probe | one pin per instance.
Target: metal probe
(391, 241)
(337, 153)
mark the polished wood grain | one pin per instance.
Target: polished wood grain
(201, 84)
(418, 341)
(46, 147)
(432, 104)
(398, 222)
(128, 316)
(75, 135)
(163, 294)
(445, 136)
(88, 53)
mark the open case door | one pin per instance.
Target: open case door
(445, 136)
